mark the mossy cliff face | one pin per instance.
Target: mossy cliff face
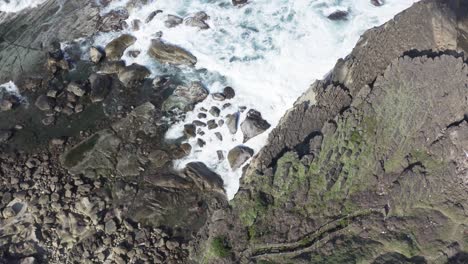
(374, 171)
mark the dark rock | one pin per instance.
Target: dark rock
(189, 130)
(201, 115)
(116, 48)
(113, 21)
(229, 93)
(338, 15)
(220, 122)
(110, 67)
(5, 135)
(218, 96)
(201, 143)
(184, 98)
(173, 21)
(212, 124)
(253, 125)
(100, 87)
(133, 53)
(136, 24)
(204, 178)
(44, 103)
(232, 122)
(239, 2)
(238, 156)
(76, 89)
(219, 136)
(199, 123)
(133, 74)
(152, 15)
(214, 111)
(169, 53)
(220, 154)
(377, 2)
(226, 105)
(198, 20)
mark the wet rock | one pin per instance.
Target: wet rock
(338, 15)
(204, 178)
(239, 2)
(214, 111)
(76, 89)
(116, 48)
(200, 132)
(100, 86)
(201, 143)
(253, 125)
(136, 24)
(219, 136)
(229, 93)
(169, 53)
(110, 67)
(96, 55)
(133, 74)
(198, 20)
(190, 130)
(173, 21)
(141, 121)
(44, 103)
(5, 135)
(5, 105)
(218, 96)
(232, 122)
(212, 124)
(152, 15)
(226, 105)
(133, 53)
(114, 20)
(159, 158)
(184, 98)
(220, 154)
(199, 123)
(238, 156)
(201, 115)
(377, 2)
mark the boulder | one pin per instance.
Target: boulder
(184, 98)
(44, 103)
(232, 122)
(5, 105)
(111, 67)
(238, 156)
(203, 177)
(338, 15)
(198, 20)
(229, 93)
(100, 86)
(169, 53)
(215, 111)
(253, 125)
(95, 54)
(76, 89)
(173, 21)
(114, 20)
(133, 74)
(189, 130)
(116, 48)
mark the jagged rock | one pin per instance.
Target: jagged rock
(110, 67)
(110, 227)
(96, 55)
(338, 15)
(133, 74)
(141, 121)
(201, 143)
(198, 20)
(169, 53)
(76, 89)
(219, 136)
(158, 158)
(229, 93)
(214, 111)
(238, 156)
(44, 103)
(199, 123)
(184, 98)
(232, 122)
(152, 15)
(173, 21)
(253, 125)
(218, 96)
(116, 48)
(203, 177)
(100, 86)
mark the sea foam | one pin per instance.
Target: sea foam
(18, 5)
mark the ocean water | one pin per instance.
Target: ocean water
(269, 51)
(18, 5)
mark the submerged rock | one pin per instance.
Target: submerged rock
(133, 74)
(253, 125)
(173, 21)
(100, 87)
(229, 93)
(169, 53)
(116, 48)
(198, 20)
(184, 98)
(44, 103)
(238, 156)
(338, 15)
(232, 122)
(239, 2)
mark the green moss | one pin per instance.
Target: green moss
(74, 156)
(220, 247)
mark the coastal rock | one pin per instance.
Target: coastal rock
(228, 92)
(172, 54)
(198, 20)
(377, 2)
(100, 86)
(5, 105)
(189, 130)
(232, 122)
(111, 67)
(184, 98)
(44, 103)
(96, 55)
(116, 48)
(152, 15)
(5, 135)
(203, 177)
(113, 21)
(238, 156)
(253, 125)
(239, 2)
(173, 21)
(338, 15)
(133, 74)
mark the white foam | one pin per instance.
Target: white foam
(18, 5)
(9, 87)
(269, 51)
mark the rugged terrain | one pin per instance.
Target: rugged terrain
(369, 166)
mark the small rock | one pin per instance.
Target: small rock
(5, 105)
(200, 132)
(242, 109)
(48, 120)
(253, 125)
(44, 103)
(100, 87)
(226, 105)
(110, 227)
(173, 21)
(338, 15)
(95, 54)
(238, 156)
(189, 130)
(201, 143)
(214, 111)
(232, 122)
(133, 53)
(212, 124)
(229, 93)
(133, 74)
(220, 154)
(199, 123)
(152, 15)
(172, 245)
(76, 89)
(220, 122)
(218, 96)
(377, 2)
(52, 93)
(68, 111)
(79, 108)
(201, 115)
(136, 24)
(198, 20)
(57, 141)
(219, 136)
(239, 2)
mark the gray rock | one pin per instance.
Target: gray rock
(229, 93)
(203, 177)
(95, 55)
(238, 156)
(219, 136)
(100, 87)
(201, 115)
(184, 98)
(253, 125)
(136, 24)
(214, 111)
(116, 48)
(198, 20)
(201, 143)
(338, 15)
(76, 89)
(133, 74)
(199, 123)
(5, 105)
(220, 154)
(220, 122)
(110, 227)
(5, 135)
(173, 21)
(189, 130)
(232, 122)
(44, 103)
(169, 53)
(158, 158)
(110, 67)
(218, 96)
(212, 124)
(377, 2)
(152, 15)
(114, 20)
(239, 2)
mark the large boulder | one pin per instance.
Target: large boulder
(116, 48)
(133, 74)
(169, 53)
(238, 156)
(185, 98)
(253, 125)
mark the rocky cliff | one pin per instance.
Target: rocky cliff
(374, 167)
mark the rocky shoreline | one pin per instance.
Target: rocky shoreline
(369, 166)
